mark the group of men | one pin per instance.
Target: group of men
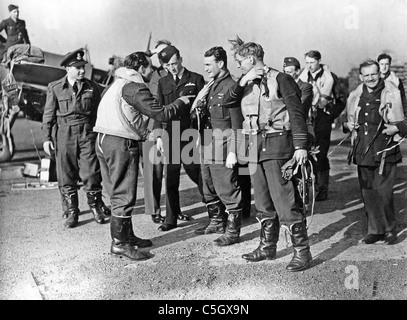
(264, 119)
(229, 135)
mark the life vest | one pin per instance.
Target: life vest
(115, 116)
(264, 111)
(390, 109)
(393, 78)
(322, 87)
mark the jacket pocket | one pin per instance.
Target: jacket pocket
(279, 144)
(64, 102)
(87, 99)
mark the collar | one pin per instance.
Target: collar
(71, 82)
(219, 79)
(315, 75)
(180, 74)
(128, 74)
(377, 90)
(384, 77)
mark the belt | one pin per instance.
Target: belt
(73, 120)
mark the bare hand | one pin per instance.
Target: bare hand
(231, 160)
(390, 129)
(254, 73)
(48, 146)
(202, 94)
(185, 99)
(350, 126)
(160, 145)
(301, 156)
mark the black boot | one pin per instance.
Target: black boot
(269, 234)
(232, 232)
(136, 241)
(322, 185)
(97, 206)
(217, 219)
(302, 255)
(72, 205)
(119, 230)
(64, 205)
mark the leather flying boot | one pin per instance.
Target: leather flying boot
(232, 232)
(269, 234)
(136, 241)
(302, 255)
(217, 219)
(72, 203)
(64, 207)
(119, 230)
(97, 206)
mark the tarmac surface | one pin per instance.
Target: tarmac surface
(40, 260)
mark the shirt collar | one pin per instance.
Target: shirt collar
(180, 74)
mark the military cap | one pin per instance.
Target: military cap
(11, 7)
(166, 54)
(74, 59)
(291, 61)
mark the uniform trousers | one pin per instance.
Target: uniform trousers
(119, 160)
(153, 176)
(323, 130)
(221, 183)
(172, 172)
(273, 195)
(76, 158)
(377, 194)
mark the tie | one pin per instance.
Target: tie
(75, 87)
(176, 80)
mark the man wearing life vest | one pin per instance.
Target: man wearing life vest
(384, 61)
(274, 132)
(376, 117)
(122, 122)
(328, 103)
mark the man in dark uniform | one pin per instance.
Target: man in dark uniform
(219, 168)
(179, 82)
(375, 127)
(152, 168)
(292, 67)
(328, 103)
(14, 28)
(69, 117)
(275, 132)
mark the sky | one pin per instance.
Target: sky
(346, 32)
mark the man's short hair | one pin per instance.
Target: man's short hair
(245, 49)
(135, 60)
(314, 54)
(219, 54)
(368, 63)
(383, 56)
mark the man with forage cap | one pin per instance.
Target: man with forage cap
(179, 82)
(68, 120)
(14, 28)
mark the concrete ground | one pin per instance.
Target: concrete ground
(41, 260)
